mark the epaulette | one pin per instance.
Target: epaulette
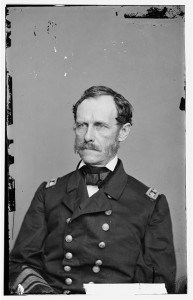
(152, 194)
(51, 183)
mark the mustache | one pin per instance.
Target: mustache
(86, 146)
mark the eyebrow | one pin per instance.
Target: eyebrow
(96, 122)
(101, 123)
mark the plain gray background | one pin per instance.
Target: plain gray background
(58, 52)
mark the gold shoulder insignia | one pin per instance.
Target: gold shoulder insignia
(51, 183)
(152, 193)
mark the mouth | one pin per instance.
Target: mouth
(87, 149)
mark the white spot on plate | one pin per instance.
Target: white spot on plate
(55, 50)
(35, 74)
(65, 57)
(65, 74)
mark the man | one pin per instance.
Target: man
(96, 224)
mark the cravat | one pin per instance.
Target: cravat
(94, 175)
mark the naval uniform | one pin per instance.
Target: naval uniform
(120, 234)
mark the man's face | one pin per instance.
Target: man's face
(96, 130)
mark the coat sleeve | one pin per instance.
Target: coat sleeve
(157, 262)
(25, 259)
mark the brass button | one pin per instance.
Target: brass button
(68, 238)
(66, 292)
(105, 227)
(108, 212)
(96, 269)
(68, 220)
(68, 255)
(68, 281)
(67, 268)
(98, 262)
(102, 245)
(109, 196)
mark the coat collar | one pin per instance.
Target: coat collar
(117, 182)
(78, 201)
(114, 187)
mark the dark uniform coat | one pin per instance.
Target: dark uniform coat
(118, 235)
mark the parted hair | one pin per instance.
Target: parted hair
(124, 107)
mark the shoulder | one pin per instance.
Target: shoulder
(53, 182)
(52, 188)
(141, 190)
(57, 182)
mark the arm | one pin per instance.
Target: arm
(158, 249)
(26, 265)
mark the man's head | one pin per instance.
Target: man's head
(102, 120)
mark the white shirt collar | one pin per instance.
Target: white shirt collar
(111, 164)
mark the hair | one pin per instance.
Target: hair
(124, 107)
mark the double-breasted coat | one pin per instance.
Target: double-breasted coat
(118, 235)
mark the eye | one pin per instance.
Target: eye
(81, 126)
(100, 125)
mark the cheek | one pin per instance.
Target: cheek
(106, 141)
(79, 137)
(110, 137)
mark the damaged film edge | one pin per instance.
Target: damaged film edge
(9, 121)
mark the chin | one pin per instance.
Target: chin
(89, 159)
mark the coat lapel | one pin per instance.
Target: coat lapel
(117, 182)
(96, 203)
(78, 201)
(76, 191)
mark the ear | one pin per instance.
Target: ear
(124, 132)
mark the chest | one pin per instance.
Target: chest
(98, 218)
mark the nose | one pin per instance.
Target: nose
(89, 135)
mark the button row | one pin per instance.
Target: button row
(69, 255)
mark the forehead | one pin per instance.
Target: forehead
(101, 108)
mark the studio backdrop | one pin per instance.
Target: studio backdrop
(53, 54)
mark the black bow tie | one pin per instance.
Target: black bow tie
(94, 175)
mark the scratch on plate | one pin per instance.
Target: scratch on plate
(156, 12)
